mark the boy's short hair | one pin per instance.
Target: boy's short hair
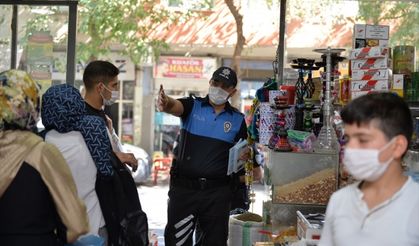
(99, 71)
(390, 111)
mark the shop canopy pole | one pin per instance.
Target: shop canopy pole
(71, 44)
(72, 25)
(281, 44)
(13, 59)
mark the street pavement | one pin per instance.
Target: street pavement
(154, 203)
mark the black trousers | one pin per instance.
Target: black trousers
(209, 206)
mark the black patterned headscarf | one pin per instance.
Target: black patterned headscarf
(64, 110)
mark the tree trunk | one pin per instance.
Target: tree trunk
(237, 49)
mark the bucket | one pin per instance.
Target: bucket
(404, 59)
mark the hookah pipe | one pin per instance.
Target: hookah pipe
(335, 59)
(300, 90)
(308, 117)
(327, 140)
(309, 83)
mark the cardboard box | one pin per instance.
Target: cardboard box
(359, 43)
(377, 32)
(398, 82)
(355, 94)
(370, 36)
(362, 43)
(371, 42)
(383, 43)
(371, 63)
(367, 85)
(369, 52)
(371, 74)
(359, 31)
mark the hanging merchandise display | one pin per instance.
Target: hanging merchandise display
(303, 90)
(327, 141)
(248, 168)
(279, 138)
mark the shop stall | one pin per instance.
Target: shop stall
(297, 124)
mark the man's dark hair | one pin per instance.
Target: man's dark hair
(99, 71)
(390, 111)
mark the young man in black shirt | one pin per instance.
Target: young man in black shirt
(100, 79)
(117, 195)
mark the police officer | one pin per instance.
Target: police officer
(200, 191)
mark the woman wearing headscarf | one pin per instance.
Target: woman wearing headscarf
(112, 201)
(83, 141)
(38, 197)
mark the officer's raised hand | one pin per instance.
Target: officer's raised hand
(162, 100)
(168, 104)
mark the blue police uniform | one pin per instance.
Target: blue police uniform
(200, 191)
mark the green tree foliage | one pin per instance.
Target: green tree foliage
(126, 23)
(403, 14)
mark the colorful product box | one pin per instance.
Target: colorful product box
(371, 63)
(371, 74)
(369, 52)
(355, 94)
(370, 36)
(367, 85)
(361, 43)
(398, 82)
(377, 32)
(359, 31)
(383, 43)
(362, 31)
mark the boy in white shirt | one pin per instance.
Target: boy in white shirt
(382, 208)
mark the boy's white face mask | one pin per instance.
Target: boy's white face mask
(364, 164)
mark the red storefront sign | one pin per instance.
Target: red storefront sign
(179, 67)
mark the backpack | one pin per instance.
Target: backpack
(126, 222)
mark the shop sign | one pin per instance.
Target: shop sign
(39, 58)
(124, 64)
(184, 67)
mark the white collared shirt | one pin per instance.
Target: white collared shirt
(74, 149)
(394, 222)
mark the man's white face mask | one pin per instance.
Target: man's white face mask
(112, 100)
(217, 95)
(364, 164)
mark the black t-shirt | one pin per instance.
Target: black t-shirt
(96, 112)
